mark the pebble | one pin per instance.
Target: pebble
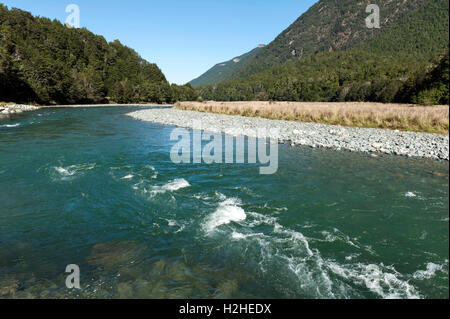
(8, 110)
(367, 140)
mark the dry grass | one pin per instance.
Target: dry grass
(405, 117)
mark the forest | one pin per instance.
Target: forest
(45, 62)
(406, 61)
(354, 75)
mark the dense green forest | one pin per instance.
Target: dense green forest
(328, 54)
(354, 75)
(329, 25)
(43, 61)
(405, 62)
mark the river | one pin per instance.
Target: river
(96, 188)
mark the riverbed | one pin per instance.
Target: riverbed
(96, 188)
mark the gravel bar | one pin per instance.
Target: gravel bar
(8, 110)
(368, 140)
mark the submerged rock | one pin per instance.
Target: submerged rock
(114, 254)
(178, 271)
(439, 174)
(8, 286)
(179, 293)
(227, 289)
(158, 268)
(125, 290)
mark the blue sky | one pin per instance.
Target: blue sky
(184, 37)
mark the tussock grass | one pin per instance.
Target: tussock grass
(405, 117)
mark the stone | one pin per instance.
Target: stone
(125, 290)
(8, 286)
(377, 145)
(227, 289)
(439, 174)
(114, 254)
(178, 271)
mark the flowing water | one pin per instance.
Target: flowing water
(96, 188)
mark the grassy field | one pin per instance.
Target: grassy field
(431, 119)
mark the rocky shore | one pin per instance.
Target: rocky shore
(368, 140)
(10, 109)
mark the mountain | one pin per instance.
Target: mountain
(222, 71)
(43, 61)
(383, 68)
(329, 25)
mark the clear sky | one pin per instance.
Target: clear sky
(184, 37)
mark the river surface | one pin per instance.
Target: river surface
(96, 188)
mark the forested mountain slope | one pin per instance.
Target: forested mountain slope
(329, 25)
(43, 61)
(384, 68)
(222, 71)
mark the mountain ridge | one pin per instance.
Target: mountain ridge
(382, 69)
(223, 70)
(329, 25)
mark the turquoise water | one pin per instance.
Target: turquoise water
(96, 188)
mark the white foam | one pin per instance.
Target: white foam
(260, 219)
(136, 186)
(381, 280)
(295, 237)
(221, 196)
(227, 212)
(314, 272)
(429, 273)
(352, 256)
(153, 169)
(410, 195)
(119, 168)
(337, 235)
(314, 275)
(236, 235)
(171, 186)
(171, 222)
(130, 176)
(63, 171)
(72, 170)
(10, 125)
(182, 227)
(239, 236)
(174, 223)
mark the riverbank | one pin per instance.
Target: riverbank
(368, 140)
(8, 109)
(106, 105)
(404, 117)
